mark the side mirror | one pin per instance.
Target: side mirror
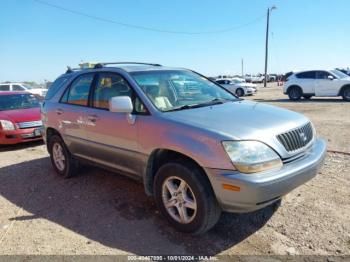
(330, 77)
(120, 104)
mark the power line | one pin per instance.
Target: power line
(140, 27)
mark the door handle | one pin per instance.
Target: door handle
(93, 118)
(59, 111)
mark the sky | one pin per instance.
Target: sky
(40, 41)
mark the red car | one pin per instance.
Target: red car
(20, 119)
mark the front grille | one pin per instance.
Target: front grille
(30, 124)
(297, 138)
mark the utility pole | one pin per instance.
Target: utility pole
(267, 41)
(242, 65)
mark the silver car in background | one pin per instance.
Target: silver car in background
(198, 149)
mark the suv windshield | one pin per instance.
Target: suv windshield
(171, 90)
(339, 74)
(18, 101)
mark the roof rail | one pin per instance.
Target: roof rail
(100, 65)
(71, 70)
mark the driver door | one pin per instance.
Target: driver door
(113, 140)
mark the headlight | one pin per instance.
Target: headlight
(252, 156)
(7, 125)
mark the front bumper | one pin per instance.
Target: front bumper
(12, 137)
(251, 91)
(261, 189)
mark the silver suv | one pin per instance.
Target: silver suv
(198, 149)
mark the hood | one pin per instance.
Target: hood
(241, 120)
(21, 115)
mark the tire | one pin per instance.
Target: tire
(294, 93)
(62, 161)
(197, 200)
(307, 96)
(346, 94)
(239, 92)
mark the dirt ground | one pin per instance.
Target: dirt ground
(98, 212)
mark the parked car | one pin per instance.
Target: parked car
(20, 119)
(317, 83)
(257, 78)
(248, 78)
(238, 86)
(41, 92)
(272, 77)
(198, 153)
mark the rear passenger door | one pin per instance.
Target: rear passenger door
(307, 81)
(71, 114)
(112, 140)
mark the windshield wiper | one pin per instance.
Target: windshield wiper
(215, 101)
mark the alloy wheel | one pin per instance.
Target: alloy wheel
(179, 200)
(58, 157)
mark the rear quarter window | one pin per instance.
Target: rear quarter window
(55, 87)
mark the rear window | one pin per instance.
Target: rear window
(307, 75)
(78, 92)
(55, 86)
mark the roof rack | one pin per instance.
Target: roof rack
(100, 65)
(71, 70)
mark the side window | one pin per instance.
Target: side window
(17, 88)
(78, 92)
(220, 82)
(322, 75)
(110, 85)
(4, 87)
(307, 75)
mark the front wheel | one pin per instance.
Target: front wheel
(185, 197)
(239, 92)
(346, 94)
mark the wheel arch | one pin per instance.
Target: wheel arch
(50, 131)
(159, 157)
(343, 88)
(292, 86)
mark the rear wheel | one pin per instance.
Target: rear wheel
(185, 198)
(346, 94)
(62, 161)
(294, 93)
(239, 92)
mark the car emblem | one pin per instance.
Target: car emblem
(303, 136)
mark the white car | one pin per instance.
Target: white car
(238, 86)
(317, 83)
(23, 87)
(257, 78)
